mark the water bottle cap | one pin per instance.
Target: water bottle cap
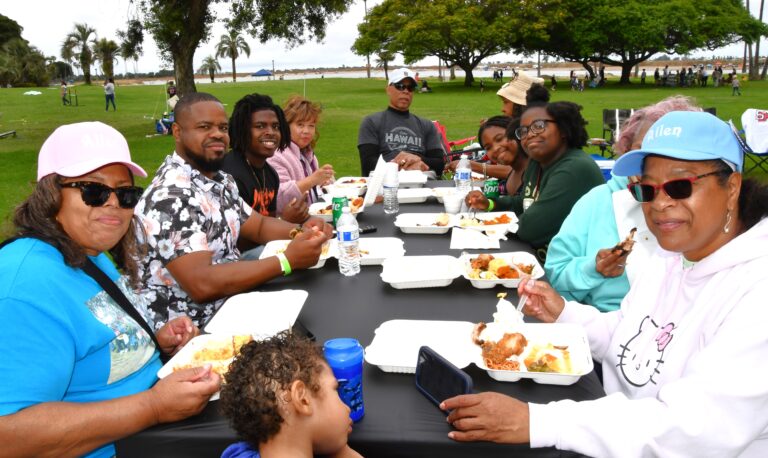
(346, 210)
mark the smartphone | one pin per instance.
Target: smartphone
(438, 379)
(367, 228)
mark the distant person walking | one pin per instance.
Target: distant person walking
(736, 85)
(63, 91)
(109, 93)
(642, 77)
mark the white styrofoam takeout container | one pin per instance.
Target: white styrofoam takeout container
(413, 195)
(517, 257)
(374, 250)
(396, 343)
(423, 223)
(483, 216)
(420, 271)
(271, 249)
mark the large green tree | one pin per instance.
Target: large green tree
(78, 43)
(460, 32)
(9, 29)
(22, 64)
(106, 51)
(231, 45)
(632, 31)
(131, 41)
(180, 26)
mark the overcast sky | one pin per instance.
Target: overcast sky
(46, 23)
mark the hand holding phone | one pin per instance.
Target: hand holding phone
(438, 379)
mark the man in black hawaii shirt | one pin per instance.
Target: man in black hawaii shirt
(399, 136)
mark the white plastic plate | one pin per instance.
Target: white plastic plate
(413, 195)
(396, 343)
(259, 313)
(423, 223)
(271, 249)
(517, 257)
(374, 250)
(561, 334)
(420, 271)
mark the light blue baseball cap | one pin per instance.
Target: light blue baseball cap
(687, 136)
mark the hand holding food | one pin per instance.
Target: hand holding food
(323, 176)
(451, 166)
(296, 211)
(488, 416)
(319, 224)
(175, 334)
(183, 393)
(476, 200)
(305, 249)
(543, 303)
(610, 262)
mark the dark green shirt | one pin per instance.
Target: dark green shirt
(553, 190)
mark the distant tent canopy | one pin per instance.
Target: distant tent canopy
(262, 72)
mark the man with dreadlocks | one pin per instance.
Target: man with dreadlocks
(194, 219)
(257, 129)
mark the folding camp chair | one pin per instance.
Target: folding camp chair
(755, 125)
(612, 121)
(452, 152)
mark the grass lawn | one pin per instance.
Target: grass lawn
(345, 103)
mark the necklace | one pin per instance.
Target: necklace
(263, 182)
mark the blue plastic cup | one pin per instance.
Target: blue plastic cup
(345, 356)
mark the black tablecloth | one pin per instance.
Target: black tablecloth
(399, 421)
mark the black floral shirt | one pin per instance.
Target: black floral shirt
(183, 211)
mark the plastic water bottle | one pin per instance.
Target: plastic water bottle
(349, 238)
(463, 175)
(391, 183)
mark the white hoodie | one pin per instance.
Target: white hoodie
(685, 362)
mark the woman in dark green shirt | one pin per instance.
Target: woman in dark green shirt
(558, 174)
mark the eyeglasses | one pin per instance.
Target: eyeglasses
(403, 87)
(677, 189)
(97, 194)
(536, 127)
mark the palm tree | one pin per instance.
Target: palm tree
(106, 51)
(230, 46)
(210, 66)
(77, 43)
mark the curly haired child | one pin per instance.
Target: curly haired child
(280, 396)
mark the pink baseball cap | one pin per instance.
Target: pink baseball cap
(76, 149)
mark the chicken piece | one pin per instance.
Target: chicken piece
(625, 246)
(481, 262)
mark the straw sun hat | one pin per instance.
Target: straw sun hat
(515, 90)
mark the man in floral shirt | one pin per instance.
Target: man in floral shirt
(193, 219)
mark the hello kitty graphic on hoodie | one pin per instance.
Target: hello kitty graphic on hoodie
(685, 362)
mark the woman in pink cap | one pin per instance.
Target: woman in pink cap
(80, 358)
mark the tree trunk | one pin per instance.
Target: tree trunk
(469, 78)
(453, 73)
(749, 59)
(185, 76)
(386, 70)
(744, 60)
(234, 71)
(589, 69)
(211, 73)
(626, 71)
(86, 73)
(765, 69)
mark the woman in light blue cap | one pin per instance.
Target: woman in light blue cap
(684, 357)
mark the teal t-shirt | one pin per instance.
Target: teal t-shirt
(63, 337)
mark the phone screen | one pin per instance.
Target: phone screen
(438, 379)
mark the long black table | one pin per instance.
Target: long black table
(399, 421)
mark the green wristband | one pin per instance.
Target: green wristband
(491, 205)
(284, 264)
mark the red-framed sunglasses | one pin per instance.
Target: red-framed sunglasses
(680, 188)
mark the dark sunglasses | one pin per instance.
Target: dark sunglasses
(97, 194)
(403, 87)
(535, 127)
(681, 188)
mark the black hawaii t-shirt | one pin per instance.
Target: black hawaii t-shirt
(392, 131)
